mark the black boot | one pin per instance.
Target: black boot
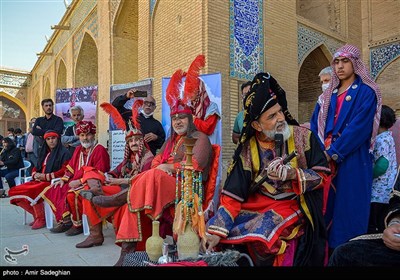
(115, 200)
(126, 248)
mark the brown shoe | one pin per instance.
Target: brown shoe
(90, 241)
(74, 231)
(94, 239)
(61, 227)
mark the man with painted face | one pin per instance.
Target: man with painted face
(270, 217)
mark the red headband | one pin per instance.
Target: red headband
(133, 132)
(50, 134)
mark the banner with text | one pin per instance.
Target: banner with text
(116, 145)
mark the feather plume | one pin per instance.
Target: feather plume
(135, 112)
(115, 115)
(192, 82)
(172, 92)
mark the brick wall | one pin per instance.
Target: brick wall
(177, 31)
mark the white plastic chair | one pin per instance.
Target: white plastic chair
(22, 172)
(48, 212)
(85, 224)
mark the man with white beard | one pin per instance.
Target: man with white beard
(64, 196)
(269, 201)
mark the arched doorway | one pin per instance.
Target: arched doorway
(309, 84)
(87, 62)
(388, 81)
(11, 115)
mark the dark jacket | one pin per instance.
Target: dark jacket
(147, 125)
(12, 157)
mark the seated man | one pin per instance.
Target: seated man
(64, 195)
(153, 191)
(11, 158)
(374, 249)
(52, 161)
(137, 158)
(270, 216)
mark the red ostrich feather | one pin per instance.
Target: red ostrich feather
(192, 78)
(115, 115)
(135, 112)
(172, 92)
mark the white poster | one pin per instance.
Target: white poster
(116, 144)
(117, 147)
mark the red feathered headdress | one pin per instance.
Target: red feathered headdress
(191, 90)
(134, 126)
(114, 114)
(120, 122)
(192, 82)
(173, 94)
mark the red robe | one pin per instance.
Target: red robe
(22, 195)
(65, 201)
(153, 191)
(97, 214)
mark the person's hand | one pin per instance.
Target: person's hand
(75, 184)
(1, 162)
(131, 93)
(212, 240)
(166, 168)
(390, 238)
(150, 137)
(40, 177)
(278, 171)
(38, 127)
(59, 183)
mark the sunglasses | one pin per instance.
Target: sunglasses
(150, 104)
